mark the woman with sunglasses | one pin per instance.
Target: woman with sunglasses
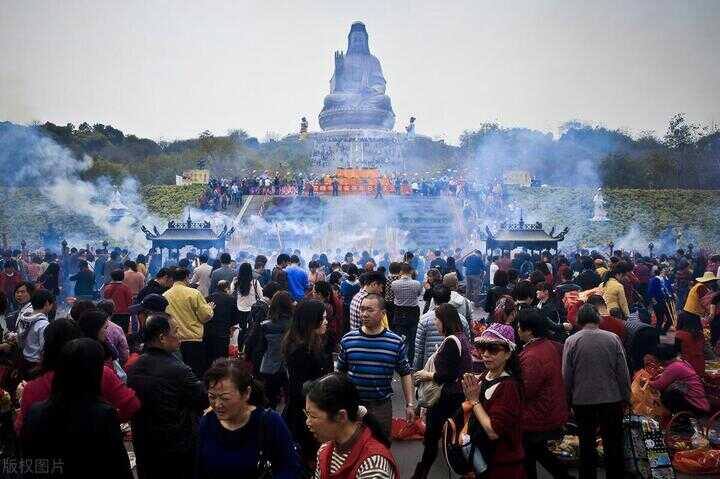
(354, 444)
(495, 424)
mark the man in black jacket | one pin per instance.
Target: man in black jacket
(589, 278)
(172, 398)
(161, 283)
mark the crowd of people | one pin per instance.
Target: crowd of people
(222, 193)
(247, 367)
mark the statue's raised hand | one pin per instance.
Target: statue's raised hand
(339, 61)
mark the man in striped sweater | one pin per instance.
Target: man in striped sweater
(370, 356)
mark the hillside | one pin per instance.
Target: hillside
(637, 216)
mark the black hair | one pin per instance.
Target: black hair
(372, 277)
(690, 323)
(240, 375)
(78, 375)
(80, 307)
(382, 304)
(162, 272)
(335, 392)
(530, 319)
(91, 322)
(500, 278)
(307, 318)
(324, 289)
(155, 326)
(588, 314)
(56, 335)
(335, 278)
(666, 352)
(117, 275)
(294, 259)
(587, 262)
(397, 268)
(225, 258)
(536, 277)
(283, 258)
(270, 289)
(203, 258)
(313, 264)
(449, 318)
(523, 291)
(281, 305)
(28, 285)
(40, 297)
(244, 279)
(3, 303)
(260, 261)
(180, 274)
(107, 306)
(440, 294)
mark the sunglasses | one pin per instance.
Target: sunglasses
(492, 348)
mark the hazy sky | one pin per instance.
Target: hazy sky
(171, 69)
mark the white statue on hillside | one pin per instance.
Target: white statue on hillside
(599, 213)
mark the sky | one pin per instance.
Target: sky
(172, 69)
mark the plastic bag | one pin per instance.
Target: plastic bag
(402, 430)
(644, 399)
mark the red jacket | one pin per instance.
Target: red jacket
(544, 397)
(120, 295)
(614, 325)
(692, 350)
(112, 390)
(366, 446)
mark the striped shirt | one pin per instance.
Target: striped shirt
(355, 321)
(374, 467)
(406, 291)
(371, 361)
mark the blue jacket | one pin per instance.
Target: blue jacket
(297, 281)
(660, 289)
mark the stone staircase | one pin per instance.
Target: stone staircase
(426, 222)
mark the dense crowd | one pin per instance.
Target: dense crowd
(221, 193)
(244, 366)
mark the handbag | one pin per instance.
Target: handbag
(428, 392)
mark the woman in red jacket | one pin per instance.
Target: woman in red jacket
(545, 409)
(353, 442)
(57, 334)
(496, 423)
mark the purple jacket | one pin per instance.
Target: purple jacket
(116, 337)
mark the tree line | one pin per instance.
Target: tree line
(687, 156)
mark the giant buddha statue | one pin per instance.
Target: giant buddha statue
(357, 96)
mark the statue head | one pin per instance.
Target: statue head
(358, 39)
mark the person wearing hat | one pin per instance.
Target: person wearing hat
(495, 424)
(152, 303)
(598, 385)
(703, 285)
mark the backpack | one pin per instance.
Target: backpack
(462, 455)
